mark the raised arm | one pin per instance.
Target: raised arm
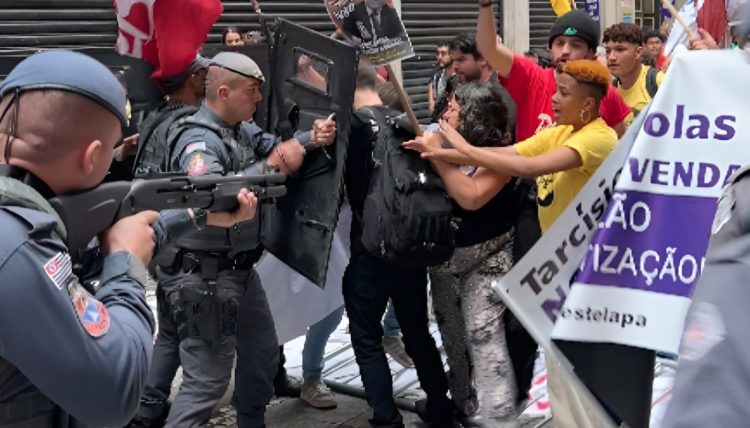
(497, 55)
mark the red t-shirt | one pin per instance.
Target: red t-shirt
(532, 87)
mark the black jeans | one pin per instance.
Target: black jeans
(368, 284)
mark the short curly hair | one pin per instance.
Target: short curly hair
(483, 114)
(623, 32)
(590, 73)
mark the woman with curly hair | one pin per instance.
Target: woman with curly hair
(562, 159)
(468, 311)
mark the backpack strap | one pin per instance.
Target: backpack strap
(651, 84)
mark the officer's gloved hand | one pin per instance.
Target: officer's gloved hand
(323, 132)
(132, 234)
(245, 212)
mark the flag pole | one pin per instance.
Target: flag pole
(691, 34)
(404, 101)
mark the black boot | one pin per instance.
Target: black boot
(283, 384)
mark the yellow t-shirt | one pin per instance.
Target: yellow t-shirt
(637, 97)
(555, 191)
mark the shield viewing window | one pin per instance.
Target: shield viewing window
(312, 70)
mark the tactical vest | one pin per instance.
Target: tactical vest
(244, 236)
(31, 410)
(153, 149)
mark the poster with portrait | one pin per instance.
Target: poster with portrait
(375, 25)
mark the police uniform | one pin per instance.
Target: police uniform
(211, 287)
(154, 130)
(712, 387)
(67, 357)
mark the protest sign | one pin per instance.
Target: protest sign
(635, 284)
(375, 24)
(592, 8)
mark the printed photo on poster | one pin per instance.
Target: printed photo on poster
(374, 24)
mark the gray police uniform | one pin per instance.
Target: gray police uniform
(712, 387)
(67, 357)
(210, 288)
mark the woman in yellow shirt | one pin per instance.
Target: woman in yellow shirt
(561, 158)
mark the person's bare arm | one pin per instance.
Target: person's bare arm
(497, 55)
(430, 98)
(471, 193)
(559, 159)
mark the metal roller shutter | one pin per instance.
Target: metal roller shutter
(428, 22)
(541, 18)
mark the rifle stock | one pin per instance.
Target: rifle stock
(87, 214)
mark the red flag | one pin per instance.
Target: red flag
(165, 33)
(712, 17)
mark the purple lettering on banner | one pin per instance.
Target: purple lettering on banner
(648, 242)
(592, 8)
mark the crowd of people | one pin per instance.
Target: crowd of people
(511, 140)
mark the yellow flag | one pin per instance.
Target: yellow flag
(561, 7)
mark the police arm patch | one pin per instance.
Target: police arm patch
(192, 147)
(704, 330)
(58, 269)
(91, 313)
(197, 166)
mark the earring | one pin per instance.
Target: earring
(588, 116)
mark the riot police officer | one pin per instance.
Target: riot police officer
(711, 387)
(183, 95)
(214, 293)
(68, 356)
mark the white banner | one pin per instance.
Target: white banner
(663, 178)
(635, 284)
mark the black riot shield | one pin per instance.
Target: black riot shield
(312, 76)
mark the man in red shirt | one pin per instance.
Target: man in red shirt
(573, 36)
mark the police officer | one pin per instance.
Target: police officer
(213, 291)
(68, 357)
(183, 95)
(712, 387)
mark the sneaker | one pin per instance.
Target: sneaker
(317, 394)
(394, 347)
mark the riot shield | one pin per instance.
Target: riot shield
(312, 76)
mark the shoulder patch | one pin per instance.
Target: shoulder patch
(192, 147)
(704, 330)
(91, 313)
(58, 269)
(197, 165)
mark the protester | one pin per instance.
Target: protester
(574, 36)
(653, 43)
(370, 282)
(468, 310)
(232, 38)
(562, 159)
(436, 87)
(636, 83)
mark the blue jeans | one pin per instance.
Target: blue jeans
(315, 344)
(390, 323)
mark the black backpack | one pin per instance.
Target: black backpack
(408, 217)
(652, 86)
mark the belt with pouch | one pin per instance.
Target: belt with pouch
(208, 264)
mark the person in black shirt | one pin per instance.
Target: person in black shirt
(369, 283)
(468, 310)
